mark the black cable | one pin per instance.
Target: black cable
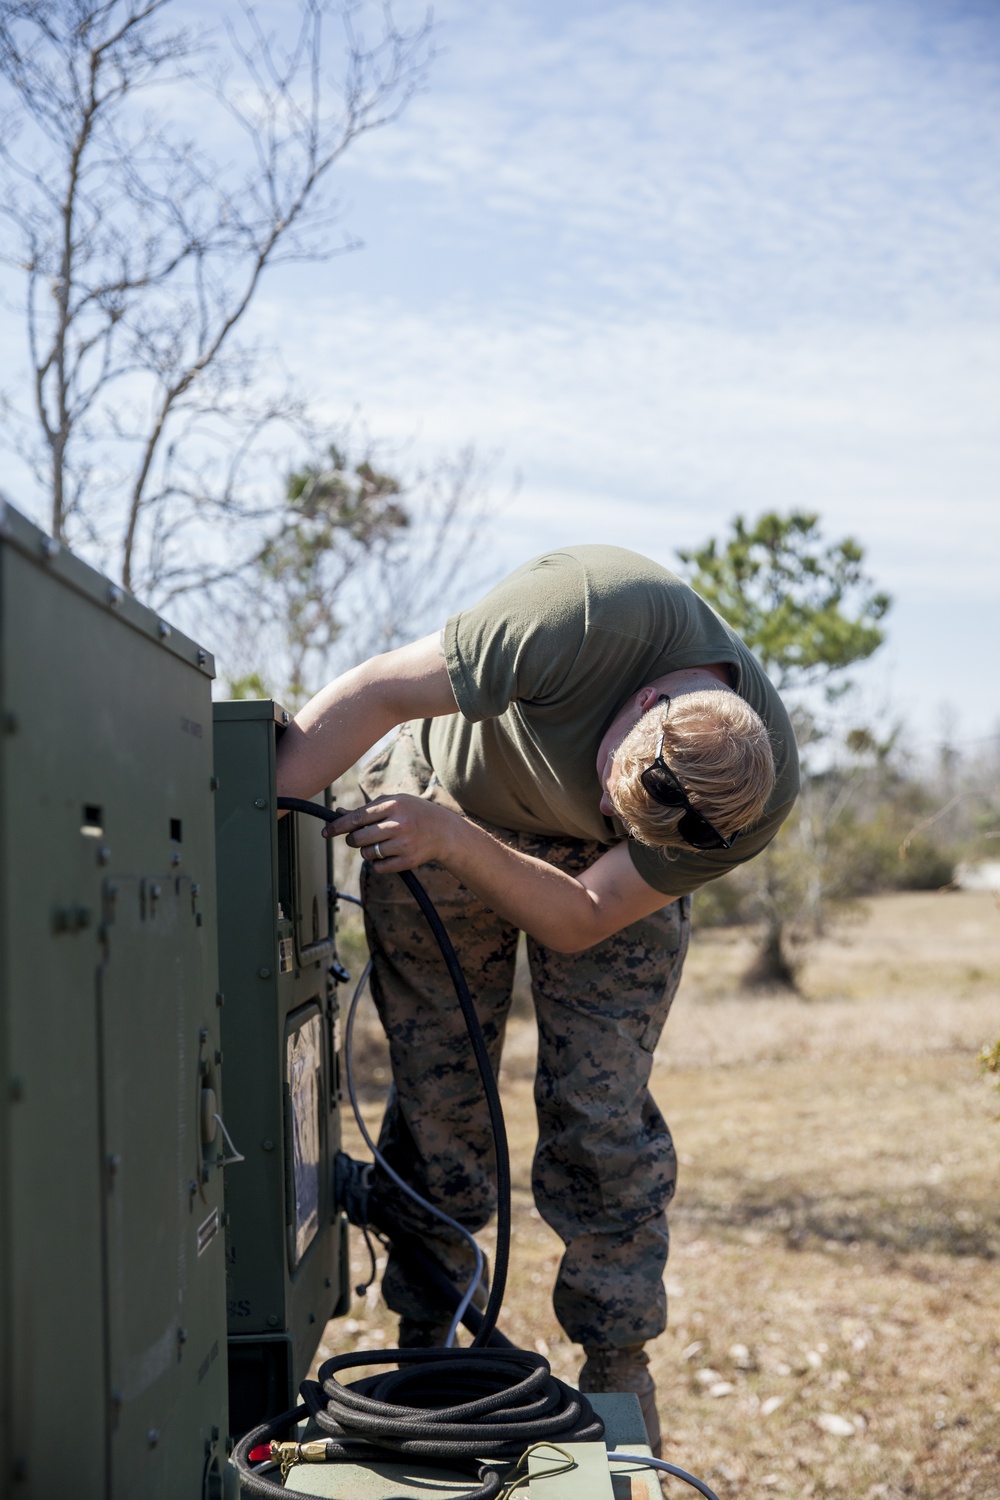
(362, 1287)
(469, 1409)
(455, 1403)
(413, 1250)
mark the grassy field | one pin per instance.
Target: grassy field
(833, 1280)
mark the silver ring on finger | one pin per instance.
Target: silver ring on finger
(378, 852)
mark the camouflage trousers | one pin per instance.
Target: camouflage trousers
(604, 1167)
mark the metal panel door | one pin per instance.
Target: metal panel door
(165, 1252)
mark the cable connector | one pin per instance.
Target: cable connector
(290, 1454)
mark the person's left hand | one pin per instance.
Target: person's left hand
(397, 832)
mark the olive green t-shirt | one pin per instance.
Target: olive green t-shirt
(540, 667)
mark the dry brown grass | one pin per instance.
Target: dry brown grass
(836, 1231)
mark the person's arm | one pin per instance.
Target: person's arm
(352, 713)
(561, 911)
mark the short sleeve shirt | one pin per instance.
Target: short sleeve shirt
(540, 667)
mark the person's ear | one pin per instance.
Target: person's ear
(647, 696)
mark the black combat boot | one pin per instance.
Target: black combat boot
(624, 1370)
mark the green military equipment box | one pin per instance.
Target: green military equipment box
(286, 1244)
(112, 1305)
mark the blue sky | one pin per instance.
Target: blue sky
(678, 260)
(670, 260)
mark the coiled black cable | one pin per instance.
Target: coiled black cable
(469, 1409)
(496, 1403)
(474, 1409)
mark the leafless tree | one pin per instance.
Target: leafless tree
(149, 414)
(364, 555)
(410, 584)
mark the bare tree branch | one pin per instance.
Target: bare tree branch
(142, 254)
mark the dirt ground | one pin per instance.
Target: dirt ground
(833, 1279)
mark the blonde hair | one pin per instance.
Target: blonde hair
(719, 750)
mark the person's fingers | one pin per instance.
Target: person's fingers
(346, 819)
(343, 823)
(391, 862)
(392, 866)
(356, 817)
(350, 821)
(381, 831)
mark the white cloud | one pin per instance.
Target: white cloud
(878, 427)
(743, 161)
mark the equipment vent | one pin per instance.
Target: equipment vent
(92, 825)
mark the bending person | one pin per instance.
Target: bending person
(579, 751)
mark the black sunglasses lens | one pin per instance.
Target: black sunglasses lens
(662, 788)
(699, 833)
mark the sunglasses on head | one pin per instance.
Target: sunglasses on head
(664, 788)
